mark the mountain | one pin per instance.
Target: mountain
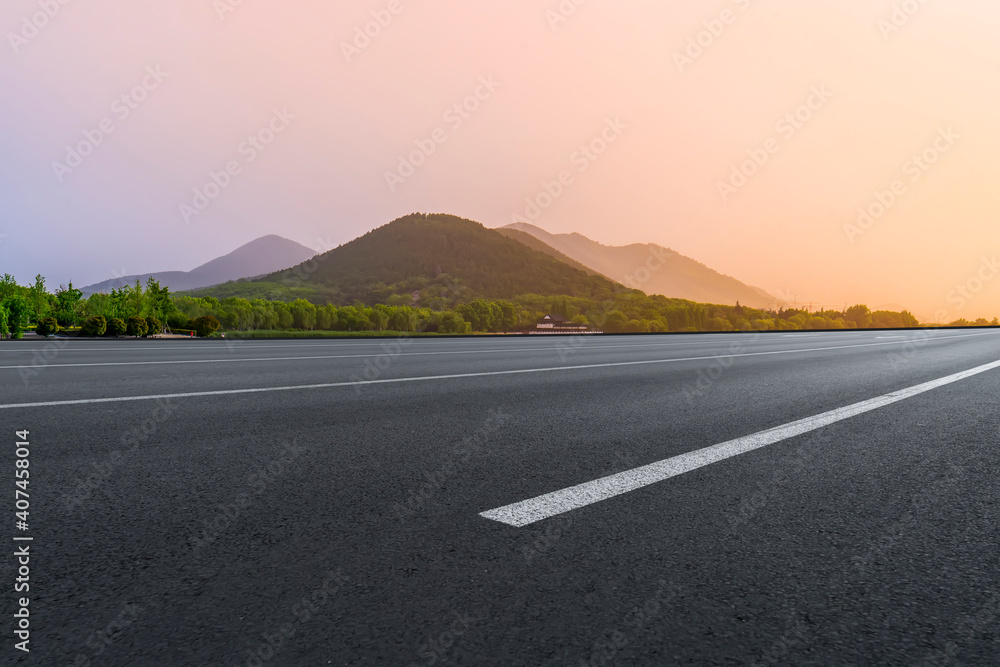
(262, 256)
(535, 244)
(677, 276)
(439, 257)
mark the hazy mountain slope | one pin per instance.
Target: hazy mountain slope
(678, 276)
(537, 244)
(261, 256)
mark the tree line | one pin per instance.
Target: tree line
(149, 309)
(134, 310)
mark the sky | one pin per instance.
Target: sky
(828, 151)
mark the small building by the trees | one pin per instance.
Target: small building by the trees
(558, 324)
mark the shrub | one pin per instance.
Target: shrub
(205, 326)
(47, 326)
(153, 326)
(94, 326)
(136, 327)
(115, 327)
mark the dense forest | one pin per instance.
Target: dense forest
(150, 309)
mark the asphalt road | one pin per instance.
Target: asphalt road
(180, 519)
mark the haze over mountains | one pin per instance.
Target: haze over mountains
(259, 257)
(633, 265)
(440, 254)
(444, 258)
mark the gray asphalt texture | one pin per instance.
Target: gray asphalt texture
(341, 525)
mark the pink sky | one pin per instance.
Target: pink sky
(680, 128)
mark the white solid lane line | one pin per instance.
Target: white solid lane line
(39, 366)
(352, 343)
(382, 350)
(584, 348)
(454, 376)
(549, 505)
(242, 344)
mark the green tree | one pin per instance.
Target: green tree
(486, 315)
(284, 318)
(68, 305)
(38, 298)
(136, 299)
(350, 318)
(116, 327)
(118, 303)
(240, 313)
(860, 315)
(18, 310)
(303, 314)
(97, 305)
(886, 319)
(378, 317)
(481, 314)
(403, 319)
(9, 287)
(615, 321)
(508, 316)
(719, 324)
(450, 322)
(157, 300)
(228, 319)
(325, 316)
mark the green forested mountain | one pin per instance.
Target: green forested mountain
(435, 259)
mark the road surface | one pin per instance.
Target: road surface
(811, 498)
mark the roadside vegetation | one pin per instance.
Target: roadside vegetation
(142, 311)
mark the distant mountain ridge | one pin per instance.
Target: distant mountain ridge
(674, 275)
(536, 244)
(437, 259)
(259, 257)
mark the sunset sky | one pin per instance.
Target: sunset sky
(842, 101)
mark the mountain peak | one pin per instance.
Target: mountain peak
(258, 257)
(266, 251)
